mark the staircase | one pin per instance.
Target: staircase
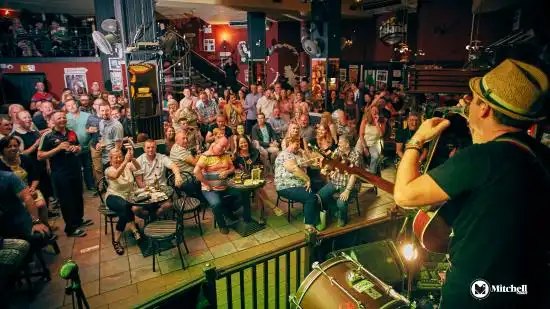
(189, 68)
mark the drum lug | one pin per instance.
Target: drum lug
(293, 302)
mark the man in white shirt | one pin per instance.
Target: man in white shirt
(266, 104)
(188, 101)
(153, 167)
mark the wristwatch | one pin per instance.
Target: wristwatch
(36, 221)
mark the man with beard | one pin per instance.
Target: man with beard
(493, 192)
(111, 132)
(61, 148)
(42, 119)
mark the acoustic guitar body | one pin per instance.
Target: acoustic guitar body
(432, 231)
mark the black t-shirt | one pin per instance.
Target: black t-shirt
(63, 161)
(227, 131)
(40, 122)
(499, 219)
(247, 163)
(231, 71)
(28, 138)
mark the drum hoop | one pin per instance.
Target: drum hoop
(319, 273)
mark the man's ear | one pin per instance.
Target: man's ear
(485, 110)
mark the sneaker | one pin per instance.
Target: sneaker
(86, 222)
(77, 233)
(224, 230)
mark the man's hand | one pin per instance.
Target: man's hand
(178, 181)
(431, 128)
(344, 196)
(64, 146)
(40, 228)
(223, 174)
(128, 157)
(99, 146)
(92, 130)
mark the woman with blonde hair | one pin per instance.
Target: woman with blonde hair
(293, 132)
(371, 135)
(120, 176)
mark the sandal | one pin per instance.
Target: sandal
(118, 247)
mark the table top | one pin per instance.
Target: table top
(241, 186)
(152, 200)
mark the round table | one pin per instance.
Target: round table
(249, 189)
(148, 203)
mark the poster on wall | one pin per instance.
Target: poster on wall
(369, 77)
(116, 80)
(381, 78)
(397, 73)
(209, 45)
(318, 80)
(75, 79)
(114, 64)
(353, 73)
(343, 75)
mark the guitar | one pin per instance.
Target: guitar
(430, 228)
(342, 165)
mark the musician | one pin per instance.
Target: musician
(345, 185)
(404, 135)
(492, 191)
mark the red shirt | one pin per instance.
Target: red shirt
(41, 96)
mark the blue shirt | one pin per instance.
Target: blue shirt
(93, 121)
(14, 218)
(250, 105)
(78, 125)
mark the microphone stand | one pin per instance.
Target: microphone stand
(69, 272)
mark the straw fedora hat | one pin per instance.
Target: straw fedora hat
(513, 88)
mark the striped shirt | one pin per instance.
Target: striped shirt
(212, 166)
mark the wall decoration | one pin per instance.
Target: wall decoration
(343, 75)
(288, 47)
(114, 64)
(318, 79)
(381, 78)
(75, 79)
(369, 77)
(209, 45)
(353, 73)
(28, 68)
(116, 80)
(397, 73)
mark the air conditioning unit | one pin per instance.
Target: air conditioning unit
(238, 24)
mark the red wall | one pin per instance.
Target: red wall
(55, 73)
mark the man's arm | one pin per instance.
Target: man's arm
(199, 167)
(46, 154)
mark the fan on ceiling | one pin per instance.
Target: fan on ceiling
(106, 43)
(312, 47)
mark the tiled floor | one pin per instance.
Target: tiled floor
(112, 281)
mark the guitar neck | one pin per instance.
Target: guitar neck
(371, 178)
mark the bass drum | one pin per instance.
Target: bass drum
(339, 283)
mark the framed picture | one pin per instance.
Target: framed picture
(209, 45)
(75, 79)
(381, 78)
(343, 75)
(353, 73)
(397, 73)
(114, 64)
(369, 77)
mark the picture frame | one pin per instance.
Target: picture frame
(114, 64)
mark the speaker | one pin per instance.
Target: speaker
(381, 258)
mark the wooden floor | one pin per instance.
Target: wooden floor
(112, 281)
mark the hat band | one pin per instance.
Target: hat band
(504, 107)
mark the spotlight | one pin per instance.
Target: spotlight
(409, 252)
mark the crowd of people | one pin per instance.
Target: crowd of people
(53, 149)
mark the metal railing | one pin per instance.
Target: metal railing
(291, 265)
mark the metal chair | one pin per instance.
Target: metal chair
(108, 214)
(187, 204)
(165, 230)
(285, 200)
